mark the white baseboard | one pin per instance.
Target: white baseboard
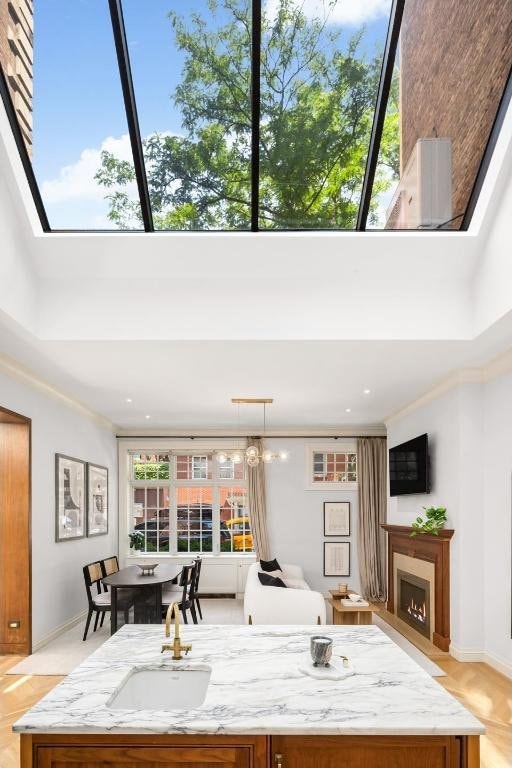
(473, 654)
(69, 624)
(466, 654)
(500, 665)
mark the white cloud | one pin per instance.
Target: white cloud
(346, 12)
(77, 182)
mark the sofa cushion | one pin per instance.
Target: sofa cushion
(270, 581)
(270, 565)
(295, 583)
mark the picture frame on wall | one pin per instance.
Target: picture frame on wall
(97, 500)
(70, 498)
(336, 558)
(336, 518)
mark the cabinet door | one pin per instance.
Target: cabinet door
(14, 538)
(365, 752)
(143, 757)
(142, 751)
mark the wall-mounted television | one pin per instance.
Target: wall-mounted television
(409, 467)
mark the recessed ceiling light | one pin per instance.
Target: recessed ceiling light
(347, 410)
(128, 400)
(366, 391)
(148, 416)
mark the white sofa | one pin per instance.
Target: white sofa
(280, 605)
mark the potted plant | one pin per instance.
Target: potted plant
(137, 540)
(435, 518)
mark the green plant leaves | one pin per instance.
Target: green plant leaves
(434, 522)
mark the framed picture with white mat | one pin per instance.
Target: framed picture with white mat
(336, 558)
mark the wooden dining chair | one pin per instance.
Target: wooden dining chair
(198, 563)
(187, 601)
(98, 596)
(110, 565)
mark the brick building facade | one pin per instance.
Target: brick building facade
(455, 58)
(16, 59)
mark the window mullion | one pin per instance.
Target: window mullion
(216, 520)
(173, 504)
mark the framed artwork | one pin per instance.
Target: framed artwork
(336, 518)
(70, 480)
(97, 500)
(336, 558)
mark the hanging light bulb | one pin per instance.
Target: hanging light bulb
(283, 455)
(221, 457)
(267, 456)
(251, 452)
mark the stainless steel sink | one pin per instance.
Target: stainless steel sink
(163, 689)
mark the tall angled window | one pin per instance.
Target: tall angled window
(60, 64)
(451, 71)
(220, 154)
(191, 65)
(320, 65)
(320, 68)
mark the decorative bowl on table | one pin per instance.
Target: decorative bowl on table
(147, 569)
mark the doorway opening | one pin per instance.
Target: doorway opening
(15, 545)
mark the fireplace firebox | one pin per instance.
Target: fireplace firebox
(413, 604)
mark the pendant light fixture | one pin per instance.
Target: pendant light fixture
(252, 454)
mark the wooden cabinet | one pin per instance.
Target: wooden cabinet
(157, 751)
(116, 751)
(366, 752)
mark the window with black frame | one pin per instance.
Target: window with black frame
(367, 114)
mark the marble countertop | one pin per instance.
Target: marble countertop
(256, 687)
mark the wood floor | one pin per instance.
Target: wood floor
(482, 690)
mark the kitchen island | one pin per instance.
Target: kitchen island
(260, 709)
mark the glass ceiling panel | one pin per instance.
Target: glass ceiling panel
(321, 65)
(320, 69)
(195, 116)
(451, 70)
(62, 72)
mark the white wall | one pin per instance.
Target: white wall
(496, 516)
(18, 281)
(295, 515)
(469, 430)
(491, 295)
(58, 592)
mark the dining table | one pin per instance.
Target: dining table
(143, 590)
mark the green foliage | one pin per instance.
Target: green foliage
(435, 518)
(194, 545)
(145, 471)
(137, 540)
(317, 103)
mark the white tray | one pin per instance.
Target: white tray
(335, 670)
(351, 604)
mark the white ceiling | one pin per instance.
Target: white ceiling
(189, 384)
(181, 323)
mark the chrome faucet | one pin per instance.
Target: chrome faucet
(176, 646)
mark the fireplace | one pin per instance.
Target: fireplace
(413, 601)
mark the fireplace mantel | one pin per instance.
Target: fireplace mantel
(434, 549)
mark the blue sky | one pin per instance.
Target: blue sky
(77, 95)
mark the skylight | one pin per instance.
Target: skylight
(227, 115)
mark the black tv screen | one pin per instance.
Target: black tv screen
(409, 468)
